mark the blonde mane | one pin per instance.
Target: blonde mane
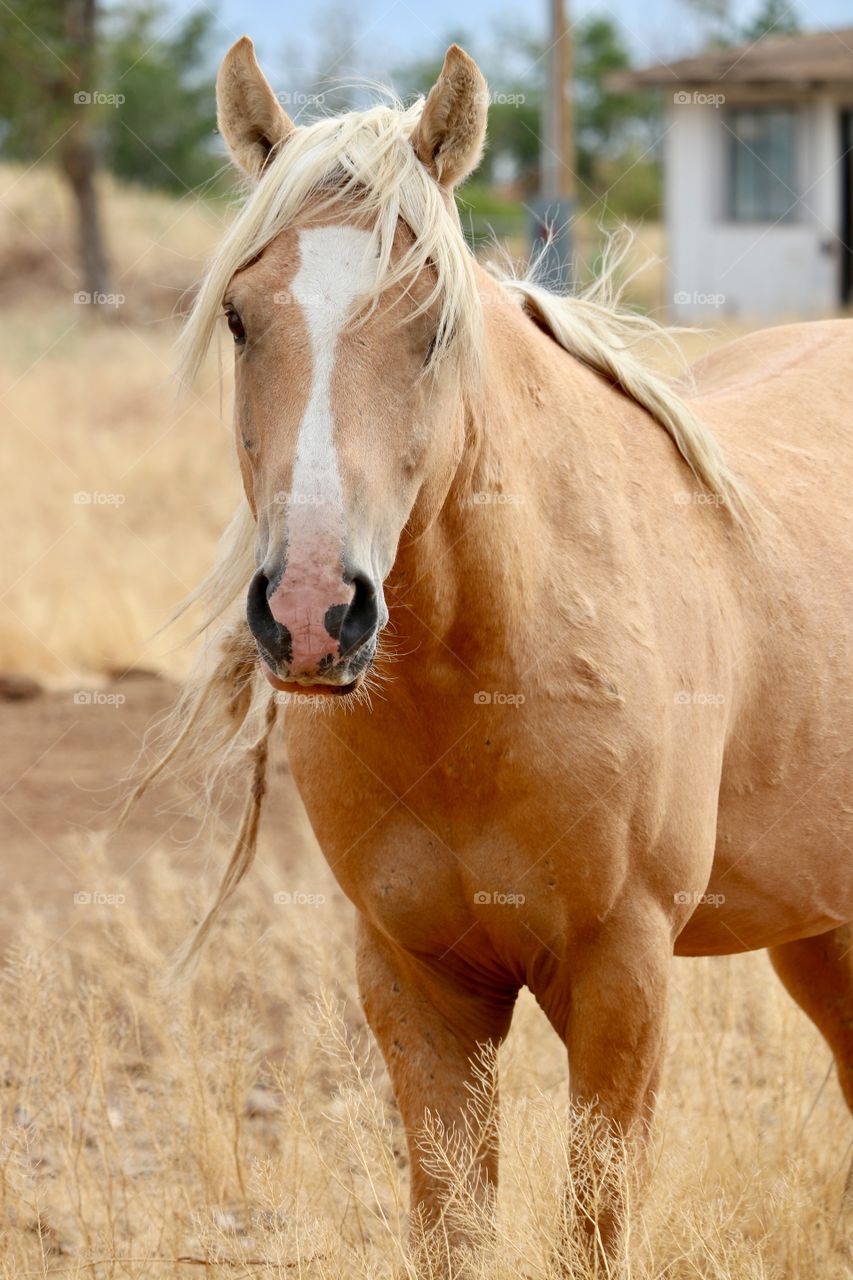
(227, 712)
(365, 157)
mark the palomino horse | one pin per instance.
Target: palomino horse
(616, 727)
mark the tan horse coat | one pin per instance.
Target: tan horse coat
(671, 771)
(618, 723)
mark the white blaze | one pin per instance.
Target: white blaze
(335, 269)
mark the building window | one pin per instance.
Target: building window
(762, 165)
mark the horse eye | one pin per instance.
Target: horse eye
(235, 324)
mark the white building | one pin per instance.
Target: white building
(758, 176)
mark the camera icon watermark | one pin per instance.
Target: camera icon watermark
(685, 98)
(286, 898)
(685, 699)
(98, 698)
(93, 498)
(282, 499)
(301, 99)
(497, 698)
(696, 299)
(315, 700)
(97, 898)
(692, 897)
(698, 497)
(491, 898)
(84, 98)
(84, 299)
(486, 499)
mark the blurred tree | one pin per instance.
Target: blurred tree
(419, 75)
(606, 123)
(49, 103)
(162, 134)
(725, 27)
(775, 17)
(320, 73)
(122, 87)
(514, 108)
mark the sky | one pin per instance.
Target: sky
(382, 34)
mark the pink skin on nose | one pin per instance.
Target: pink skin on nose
(311, 585)
(301, 602)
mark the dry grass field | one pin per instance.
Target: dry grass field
(246, 1127)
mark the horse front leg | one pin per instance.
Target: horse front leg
(610, 1007)
(435, 1035)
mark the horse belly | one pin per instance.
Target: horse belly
(782, 870)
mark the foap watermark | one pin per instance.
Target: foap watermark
(98, 698)
(692, 897)
(685, 699)
(84, 299)
(316, 700)
(497, 698)
(301, 99)
(490, 898)
(498, 98)
(94, 498)
(282, 499)
(98, 898)
(85, 98)
(684, 298)
(305, 298)
(501, 299)
(296, 898)
(496, 499)
(686, 98)
(698, 498)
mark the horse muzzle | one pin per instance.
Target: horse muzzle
(316, 633)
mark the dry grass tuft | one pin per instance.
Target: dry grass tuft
(248, 1125)
(119, 486)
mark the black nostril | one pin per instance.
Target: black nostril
(362, 616)
(273, 638)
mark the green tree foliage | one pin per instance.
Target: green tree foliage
(39, 75)
(50, 105)
(143, 91)
(608, 126)
(163, 133)
(82, 87)
(773, 18)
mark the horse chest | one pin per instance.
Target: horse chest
(478, 895)
(467, 912)
(426, 851)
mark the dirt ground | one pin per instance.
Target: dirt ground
(64, 758)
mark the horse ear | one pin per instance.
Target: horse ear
(450, 134)
(251, 119)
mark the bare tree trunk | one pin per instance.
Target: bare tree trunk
(79, 158)
(79, 165)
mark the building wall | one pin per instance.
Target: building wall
(752, 270)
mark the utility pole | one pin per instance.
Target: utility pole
(554, 209)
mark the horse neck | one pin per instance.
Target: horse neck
(531, 500)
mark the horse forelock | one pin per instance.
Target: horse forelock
(362, 160)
